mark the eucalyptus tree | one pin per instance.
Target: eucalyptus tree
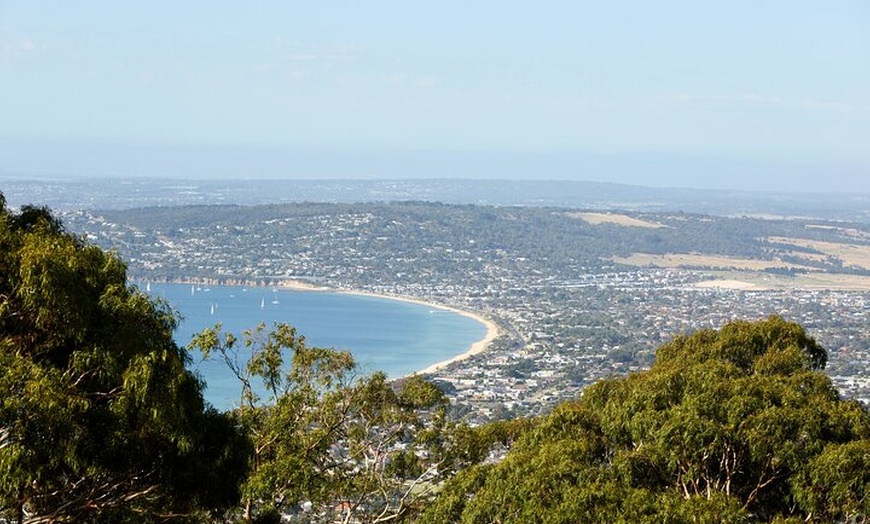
(735, 425)
(328, 443)
(99, 419)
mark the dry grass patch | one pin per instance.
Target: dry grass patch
(763, 281)
(833, 281)
(732, 284)
(611, 218)
(851, 254)
(699, 261)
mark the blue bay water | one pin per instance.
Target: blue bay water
(393, 336)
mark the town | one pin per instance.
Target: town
(569, 309)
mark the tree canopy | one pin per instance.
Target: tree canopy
(99, 419)
(734, 425)
(330, 445)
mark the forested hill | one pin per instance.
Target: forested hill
(425, 241)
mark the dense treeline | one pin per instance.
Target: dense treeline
(736, 425)
(101, 422)
(99, 419)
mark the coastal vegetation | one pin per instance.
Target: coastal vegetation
(734, 425)
(100, 421)
(327, 444)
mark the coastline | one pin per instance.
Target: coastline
(492, 330)
(478, 347)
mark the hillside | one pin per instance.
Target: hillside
(579, 294)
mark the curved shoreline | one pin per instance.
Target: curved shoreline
(478, 347)
(492, 330)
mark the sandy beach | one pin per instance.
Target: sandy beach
(299, 285)
(492, 330)
(478, 347)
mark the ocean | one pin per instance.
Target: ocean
(393, 336)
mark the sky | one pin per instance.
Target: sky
(741, 94)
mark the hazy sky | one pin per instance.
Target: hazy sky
(760, 92)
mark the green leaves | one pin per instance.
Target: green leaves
(836, 482)
(734, 425)
(324, 437)
(742, 343)
(98, 413)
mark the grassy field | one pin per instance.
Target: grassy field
(701, 261)
(744, 273)
(761, 281)
(850, 254)
(613, 218)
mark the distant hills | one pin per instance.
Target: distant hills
(132, 192)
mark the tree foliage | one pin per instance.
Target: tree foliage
(99, 419)
(735, 425)
(328, 444)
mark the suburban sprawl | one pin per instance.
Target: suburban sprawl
(583, 285)
(577, 293)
